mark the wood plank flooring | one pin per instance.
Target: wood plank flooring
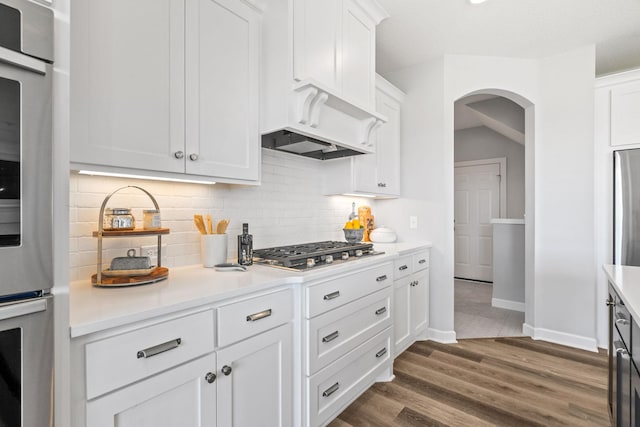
(487, 382)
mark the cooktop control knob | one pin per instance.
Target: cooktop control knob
(345, 255)
(310, 262)
(328, 259)
(358, 252)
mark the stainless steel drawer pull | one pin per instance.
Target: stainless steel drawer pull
(381, 310)
(332, 295)
(332, 336)
(160, 348)
(258, 316)
(328, 392)
(622, 322)
(381, 278)
(422, 261)
(402, 267)
(381, 352)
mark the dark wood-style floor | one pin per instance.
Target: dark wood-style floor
(490, 381)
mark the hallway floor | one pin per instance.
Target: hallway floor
(475, 317)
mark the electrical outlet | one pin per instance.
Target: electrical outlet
(413, 222)
(152, 252)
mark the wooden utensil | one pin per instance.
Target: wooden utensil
(199, 222)
(221, 228)
(210, 224)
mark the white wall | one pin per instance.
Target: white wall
(565, 236)
(483, 143)
(559, 91)
(287, 208)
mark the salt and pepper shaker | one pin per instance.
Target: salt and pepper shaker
(245, 246)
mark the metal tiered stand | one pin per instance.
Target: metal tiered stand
(124, 279)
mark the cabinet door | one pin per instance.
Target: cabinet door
(358, 55)
(635, 396)
(316, 41)
(625, 109)
(127, 96)
(255, 380)
(222, 132)
(401, 315)
(419, 301)
(181, 396)
(379, 173)
(388, 146)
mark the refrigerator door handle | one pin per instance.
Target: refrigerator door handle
(22, 308)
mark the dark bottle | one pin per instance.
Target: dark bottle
(245, 246)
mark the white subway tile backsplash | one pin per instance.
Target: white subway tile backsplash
(287, 208)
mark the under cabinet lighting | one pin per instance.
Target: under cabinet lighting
(476, 1)
(151, 178)
(370, 196)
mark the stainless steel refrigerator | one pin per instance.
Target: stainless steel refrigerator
(626, 211)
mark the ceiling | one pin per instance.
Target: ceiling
(421, 30)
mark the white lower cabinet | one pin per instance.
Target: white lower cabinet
(255, 380)
(347, 339)
(182, 396)
(411, 300)
(332, 389)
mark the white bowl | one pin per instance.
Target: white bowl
(383, 235)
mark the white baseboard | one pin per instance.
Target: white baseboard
(444, 337)
(563, 338)
(509, 305)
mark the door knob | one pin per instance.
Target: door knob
(178, 154)
(210, 377)
(226, 369)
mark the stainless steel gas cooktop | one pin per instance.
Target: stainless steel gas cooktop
(312, 255)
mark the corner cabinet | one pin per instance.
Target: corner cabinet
(375, 174)
(166, 88)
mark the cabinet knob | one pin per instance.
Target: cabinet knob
(179, 154)
(226, 369)
(193, 157)
(210, 377)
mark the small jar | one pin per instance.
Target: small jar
(151, 219)
(118, 219)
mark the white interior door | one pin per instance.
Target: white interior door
(477, 201)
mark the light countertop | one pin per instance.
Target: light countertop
(626, 281)
(94, 309)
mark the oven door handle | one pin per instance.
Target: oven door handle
(22, 309)
(23, 61)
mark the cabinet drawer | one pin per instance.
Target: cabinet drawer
(402, 267)
(334, 293)
(421, 261)
(122, 359)
(339, 331)
(331, 389)
(242, 319)
(622, 320)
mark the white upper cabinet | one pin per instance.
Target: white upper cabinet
(358, 57)
(166, 88)
(625, 114)
(128, 83)
(319, 70)
(222, 51)
(373, 174)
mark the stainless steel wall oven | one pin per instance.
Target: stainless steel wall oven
(26, 266)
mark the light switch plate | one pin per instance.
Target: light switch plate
(413, 222)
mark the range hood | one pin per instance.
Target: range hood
(295, 143)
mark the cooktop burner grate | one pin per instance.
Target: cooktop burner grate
(308, 255)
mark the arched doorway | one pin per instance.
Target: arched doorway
(493, 314)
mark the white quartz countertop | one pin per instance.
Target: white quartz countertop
(626, 281)
(93, 309)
